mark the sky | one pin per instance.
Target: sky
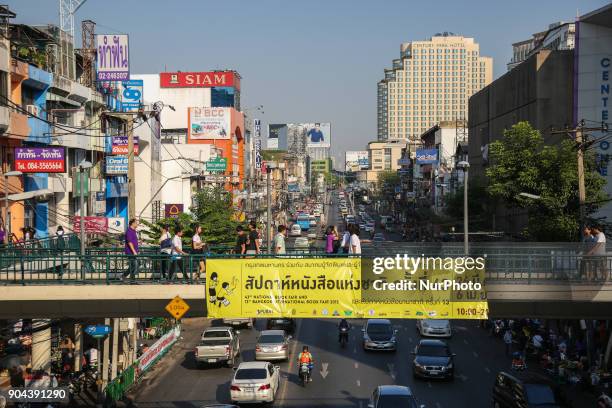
(308, 60)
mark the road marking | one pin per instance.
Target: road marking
(358, 383)
(324, 371)
(487, 370)
(355, 350)
(391, 367)
(356, 365)
(283, 390)
(475, 354)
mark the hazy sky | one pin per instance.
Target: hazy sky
(309, 60)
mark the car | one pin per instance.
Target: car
(272, 345)
(301, 244)
(378, 237)
(362, 227)
(433, 359)
(254, 382)
(239, 321)
(295, 231)
(526, 390)
(312, 235)
(378, 334)
(434, 328)
(393, 396)
(217, 345)
(281, 323)
(220, 406)
(313, 223)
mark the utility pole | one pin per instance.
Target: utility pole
(269, 205)
(581, 144)
(131, 184)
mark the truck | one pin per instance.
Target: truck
(239, 321)
(218, 345)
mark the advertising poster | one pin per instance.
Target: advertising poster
(427, 156)
(116, 164)
(209, 123)
(113, 59)
(120, 145)
(40, 159)
(317, 134)
(420, 287)
(199, 79)
(93, 225)
(131, 95)
(356, 160)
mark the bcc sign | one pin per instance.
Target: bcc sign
(173, 210)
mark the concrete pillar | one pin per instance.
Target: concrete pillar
(115, 351)
(78, 346)
(105, 356)
(41, 344)
(134, 337)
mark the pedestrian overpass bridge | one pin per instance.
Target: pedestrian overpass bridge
(522, 280)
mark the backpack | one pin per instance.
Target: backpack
(166, 243)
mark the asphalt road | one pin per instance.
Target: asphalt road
(343, 377)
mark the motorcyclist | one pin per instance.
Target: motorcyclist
(343, 328)
(306, 358)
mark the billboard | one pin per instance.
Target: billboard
(424, 287)
(120, 145)
(40, 159)
(356, 160)
(131, 95)
(93, 225)
(173, 210)
(113, 60)
(427, 156)
(209, 123)
(116, 164)
(296, 137)
(317, 134)
(199, 79)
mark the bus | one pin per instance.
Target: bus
(303, 220)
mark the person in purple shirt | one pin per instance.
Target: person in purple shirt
(329, 240)
(131, 249)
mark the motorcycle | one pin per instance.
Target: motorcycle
(498, 328)
(305, 373)
(344, 336)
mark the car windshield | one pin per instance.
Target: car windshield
(396, 401)
(214, 342)
(251, 374)
(539, 394)
(215, 334)
(379, 328)
(271, 338)
(433, 351)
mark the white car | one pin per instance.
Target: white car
(434, 328)
(295, 231)
(255, 382)
(301, 243)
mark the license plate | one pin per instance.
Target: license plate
(249, 389)
(212, 360)
(434, 372)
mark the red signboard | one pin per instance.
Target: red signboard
(120, 145)
(199, 79)
(93, 225)
(40, 159)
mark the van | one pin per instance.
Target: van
(295, 231)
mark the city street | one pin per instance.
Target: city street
(343, 377)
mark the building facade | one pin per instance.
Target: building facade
(559, 36)
(430, 82)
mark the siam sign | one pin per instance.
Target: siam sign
(199, 79)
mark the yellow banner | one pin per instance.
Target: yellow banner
(344, 287)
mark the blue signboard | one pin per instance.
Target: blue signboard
(427, 156)
(293, 188)
(131, 95)
(98, 330)
(116, 164)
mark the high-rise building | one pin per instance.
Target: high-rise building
(430, 82)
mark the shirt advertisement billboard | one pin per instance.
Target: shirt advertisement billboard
(427, 156)
(199, 79)
(40, 159)
(113, 61)
(317, 134)
(209, 123)
(116, 164)
(356, 160)
(120, 145)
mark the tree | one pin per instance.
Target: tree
(521, 163)
(480, 204)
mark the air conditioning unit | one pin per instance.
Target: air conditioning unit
(32, 110)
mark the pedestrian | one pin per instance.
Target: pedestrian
(599, 251)
(354, 242)
(346, 239)
(329, 240)
(279, 240)
(131, 250)
(336, 239)
(3, 238)
(508, 342)
(177, 254)
(241, 241)
(252, 239)
(165, 250)
(197, 246)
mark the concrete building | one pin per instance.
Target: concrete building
(430, 82)
(384, 155)
(559, 36)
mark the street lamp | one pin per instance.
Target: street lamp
(7, 211)
(82, 167)
(465, 166)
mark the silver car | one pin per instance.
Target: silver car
(272, 345)
(434, 328)
(378, 334)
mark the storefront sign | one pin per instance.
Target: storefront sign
(116, 225)
(99, 204)
(173, 210)
(199, 79)
(258, 154)
(217, 164)
(113, 62)
(116, 164)
(40, 159)
(427, 156)
(131, 95)
(93, 225)
(158, 349)
(209, 123)
(120, 145)
(98, 331)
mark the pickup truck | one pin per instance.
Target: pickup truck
(218, 345)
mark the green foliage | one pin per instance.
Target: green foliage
(521, 163)
(480, 204)
(213, 211)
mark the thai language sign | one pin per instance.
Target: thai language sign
(113, 62)
(94, 225)
(40, 159)
(116, 164)
(131, 95)
(120, 145)
(402, 287)
(209, 123)
(427, 156)
(158, 349)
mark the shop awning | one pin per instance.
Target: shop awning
(28, 195)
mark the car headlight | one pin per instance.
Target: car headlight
(417, 365)
(424, 325)
(449, 366)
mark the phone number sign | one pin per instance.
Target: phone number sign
(40, 159)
